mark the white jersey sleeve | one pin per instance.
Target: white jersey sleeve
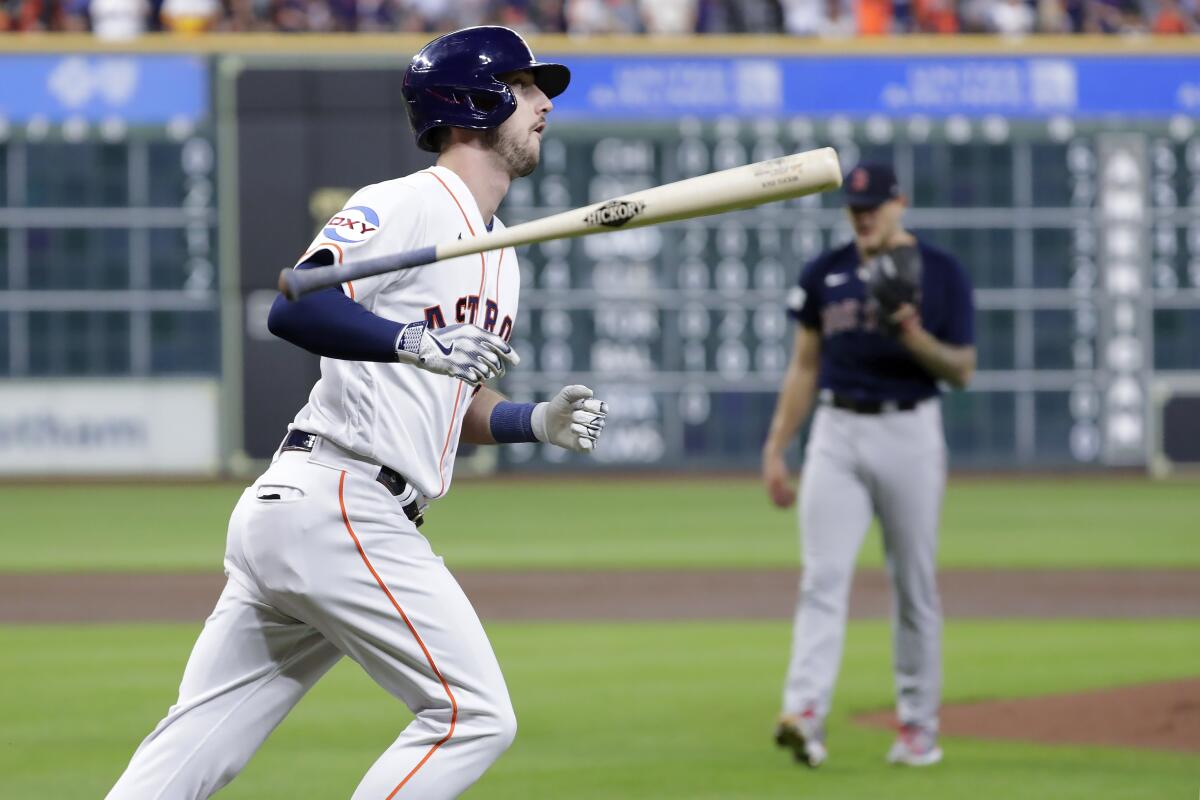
(377, 220)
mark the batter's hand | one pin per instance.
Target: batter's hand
(573, 419)
(778, 481)
(466, 352)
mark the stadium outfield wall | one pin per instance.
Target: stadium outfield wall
(185, 171)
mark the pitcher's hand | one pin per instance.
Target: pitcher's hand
(778, 481)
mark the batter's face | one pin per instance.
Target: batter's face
(518, 141)
(874, 228)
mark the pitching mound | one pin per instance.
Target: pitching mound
(1157, 716)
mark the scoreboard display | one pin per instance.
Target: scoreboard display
(108, 227)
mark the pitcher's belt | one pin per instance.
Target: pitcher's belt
(393, 481)
(859, 406)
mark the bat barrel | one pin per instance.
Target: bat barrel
(728, 190)
(732, 189)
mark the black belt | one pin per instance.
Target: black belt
(871, 406)
(393, 481)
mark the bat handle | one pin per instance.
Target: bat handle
(296, 282)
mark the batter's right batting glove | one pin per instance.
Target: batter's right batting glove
(466, 352)
(573, 419)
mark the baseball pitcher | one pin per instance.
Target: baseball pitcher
(882, 322)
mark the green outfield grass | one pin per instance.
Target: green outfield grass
(609, 523)
(658, 711)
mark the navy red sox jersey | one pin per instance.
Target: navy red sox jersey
(392, 413)
(858, 358)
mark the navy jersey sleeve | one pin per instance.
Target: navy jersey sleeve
(803, 302)
(330, 324)
(960, 305)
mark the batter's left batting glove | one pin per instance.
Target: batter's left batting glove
(573, 419)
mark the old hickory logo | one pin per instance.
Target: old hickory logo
(615, 213)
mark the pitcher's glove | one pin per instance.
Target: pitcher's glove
(893, 279)
(466, 352)
(573, 419)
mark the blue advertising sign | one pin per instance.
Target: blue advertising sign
(1028, 86)
(137, 89)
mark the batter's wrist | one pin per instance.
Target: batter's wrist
(537, 421)
(512, 422)
(408, 343)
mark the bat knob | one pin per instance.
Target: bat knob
(287, 284)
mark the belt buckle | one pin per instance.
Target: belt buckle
(391, 481)
(298, 440)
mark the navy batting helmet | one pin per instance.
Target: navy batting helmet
(452, 81)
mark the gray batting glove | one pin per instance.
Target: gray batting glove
(573, 419)
(466, 352)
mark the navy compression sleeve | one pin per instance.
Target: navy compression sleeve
(330, 324)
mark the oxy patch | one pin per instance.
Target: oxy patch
(353, 225)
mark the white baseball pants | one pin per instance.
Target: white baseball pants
(332, 567)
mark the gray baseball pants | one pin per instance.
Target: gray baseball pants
(858, 466)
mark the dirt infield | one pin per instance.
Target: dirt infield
(638, 595)
(1161, 716)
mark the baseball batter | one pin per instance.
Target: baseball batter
(882, 321)
(324, 558)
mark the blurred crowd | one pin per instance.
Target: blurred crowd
(826, 18)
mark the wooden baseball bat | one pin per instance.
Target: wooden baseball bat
(741, 187)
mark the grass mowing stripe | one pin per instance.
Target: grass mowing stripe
(656, 523)
(610, 712)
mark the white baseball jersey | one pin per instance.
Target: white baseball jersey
(396, 414)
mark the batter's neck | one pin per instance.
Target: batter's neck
(478, 170)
